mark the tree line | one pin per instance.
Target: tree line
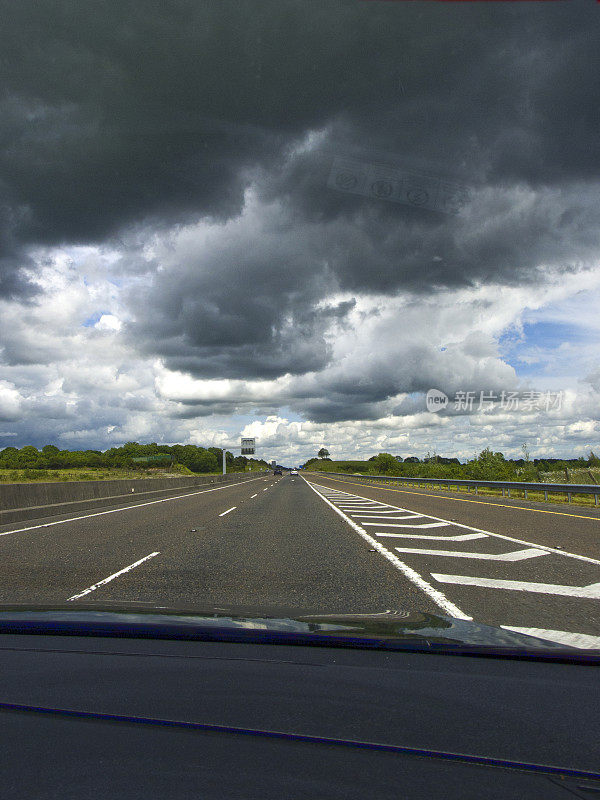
(196, 459)
(488, 465)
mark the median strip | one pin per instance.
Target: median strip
(112, 577)
(119, 510)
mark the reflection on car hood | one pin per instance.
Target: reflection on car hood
(387, 630)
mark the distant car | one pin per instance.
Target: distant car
(294, 472)
(277, 471)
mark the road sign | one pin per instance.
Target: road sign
(248, 446)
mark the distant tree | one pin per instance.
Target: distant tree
(490, 466)
(593, 460)
(385, 462)
(323, 453)
(206, 462)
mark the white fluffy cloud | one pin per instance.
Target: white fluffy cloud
(73, 376)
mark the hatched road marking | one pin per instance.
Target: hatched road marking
(516, 555)
(434, 594)
(554, 550)
(581, 640)
(464, 500)
(341, 500)
(590, 592)
(465, 537)
(400, 525)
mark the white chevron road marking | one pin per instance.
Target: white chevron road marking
(505, 537)
(516, 555)
(590, 592)
(400, 515)
(465, 537)
(400, 525)
(581, 640)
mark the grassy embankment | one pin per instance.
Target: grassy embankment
(96, 474)
(424, 471)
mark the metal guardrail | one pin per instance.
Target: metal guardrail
(526, 486)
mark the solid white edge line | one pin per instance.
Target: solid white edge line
(126, 508)
(434, 594)
(112, 577)
(228, 510)
(565, 553)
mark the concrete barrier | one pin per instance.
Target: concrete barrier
(21, 501)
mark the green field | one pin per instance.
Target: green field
(341, 466)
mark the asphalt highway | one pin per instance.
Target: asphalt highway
(320, 544)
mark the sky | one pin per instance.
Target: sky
(291, 219)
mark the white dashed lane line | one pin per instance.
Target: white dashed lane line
(228, 510)
(112, 577)
(120, 510)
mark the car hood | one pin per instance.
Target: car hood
(387, 630)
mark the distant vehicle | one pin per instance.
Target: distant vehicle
(277, 471)
(294, 472)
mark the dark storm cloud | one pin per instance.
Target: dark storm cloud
(123, 119)
(118, 112)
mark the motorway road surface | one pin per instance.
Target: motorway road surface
(325, 545)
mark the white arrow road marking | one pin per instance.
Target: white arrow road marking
(590, 592)
(400, 525)
(581, 640)
(465, 537)
(112, 577)
(516, 555)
